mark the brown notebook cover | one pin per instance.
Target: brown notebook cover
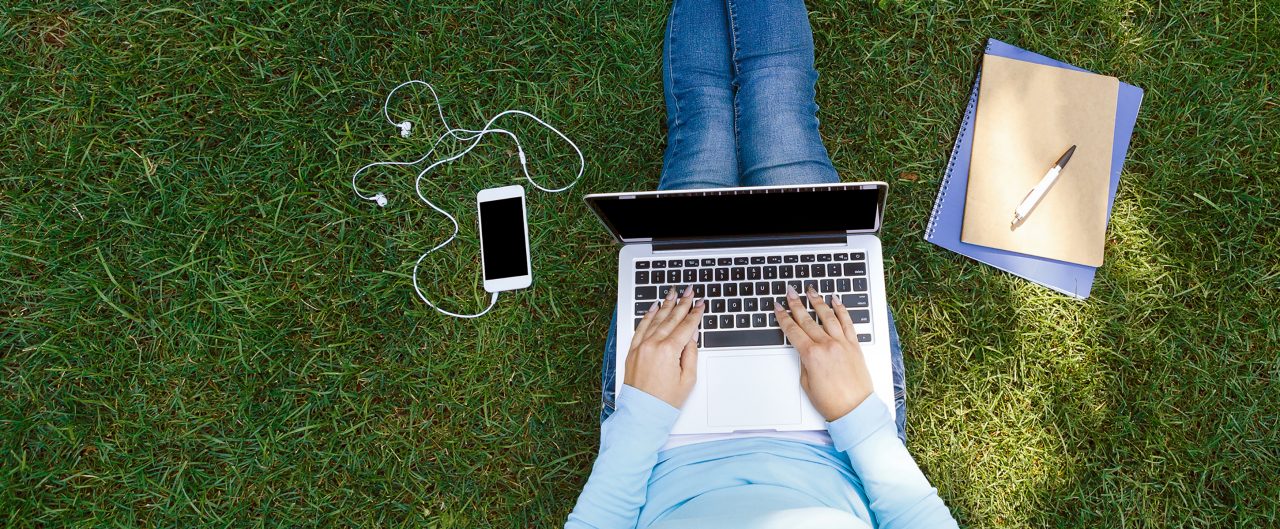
(1028, 115)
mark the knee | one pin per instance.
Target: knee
(786, 96)
(705, 112)
(796, 59)
(709, 97)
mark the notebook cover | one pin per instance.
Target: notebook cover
(948, 209)
(1028, 114)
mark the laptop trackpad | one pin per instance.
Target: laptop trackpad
(753, 390)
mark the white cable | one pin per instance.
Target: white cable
(461, 135)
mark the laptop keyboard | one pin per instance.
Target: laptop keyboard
(740, 291)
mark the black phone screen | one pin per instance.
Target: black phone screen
(503, 245)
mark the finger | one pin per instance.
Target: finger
(664, 312)
(689, 361)
(799, 339)
(687, 328)
(677, 314)
(825, 314)
(846, 322)
(646, 321)
(801, 316)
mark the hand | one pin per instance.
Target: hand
(832, 370)
(663, 360)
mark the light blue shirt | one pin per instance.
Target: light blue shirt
(865, 479)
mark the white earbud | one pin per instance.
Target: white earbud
(472, 139)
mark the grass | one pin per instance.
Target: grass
(200, 325)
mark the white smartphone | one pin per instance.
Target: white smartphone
(504, 239)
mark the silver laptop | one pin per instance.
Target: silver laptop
(739, 248)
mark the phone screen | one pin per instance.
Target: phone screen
(502, 238)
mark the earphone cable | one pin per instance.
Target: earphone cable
(462, 135)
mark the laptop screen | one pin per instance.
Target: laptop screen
(742, 212)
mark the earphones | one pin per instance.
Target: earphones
(471, 138)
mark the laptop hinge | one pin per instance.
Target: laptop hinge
(738, 242)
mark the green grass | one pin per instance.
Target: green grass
(201, 325)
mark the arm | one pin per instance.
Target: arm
(660, 371)
(629, 443)
(835, 377)
(900, 494)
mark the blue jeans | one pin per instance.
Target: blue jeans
(739, 83)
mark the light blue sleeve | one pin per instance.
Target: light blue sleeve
(899, 493)
(629, 443)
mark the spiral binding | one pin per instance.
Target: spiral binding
(969, 110)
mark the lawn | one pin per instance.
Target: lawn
(200, 324)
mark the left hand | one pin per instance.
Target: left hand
(663, 360)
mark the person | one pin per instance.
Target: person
(739, 81)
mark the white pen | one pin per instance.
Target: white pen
(1033, 197)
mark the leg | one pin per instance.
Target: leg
(778, 140)
(899, 380)
(697, 79)
(776, 116)
(609, 369)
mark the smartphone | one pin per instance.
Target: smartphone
(504, 239)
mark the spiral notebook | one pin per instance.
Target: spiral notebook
(947, 218)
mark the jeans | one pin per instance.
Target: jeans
(739, 85)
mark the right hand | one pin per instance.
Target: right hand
(832, 370)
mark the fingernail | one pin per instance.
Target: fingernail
(653, 307)
(671, 294)
(812, 292)
(697, 304)
(688, 292)
(791, 293)
(835, 300)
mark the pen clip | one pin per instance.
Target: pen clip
(1028, 195)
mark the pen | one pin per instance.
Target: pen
(1033, 197)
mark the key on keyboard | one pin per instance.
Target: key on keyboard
(744, 338)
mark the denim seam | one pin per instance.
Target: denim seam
(673, 139)
(733, 60)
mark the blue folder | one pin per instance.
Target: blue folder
(948, 209)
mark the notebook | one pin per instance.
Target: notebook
(1028, 114)
(945, 221)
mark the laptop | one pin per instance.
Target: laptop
(739, 248)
